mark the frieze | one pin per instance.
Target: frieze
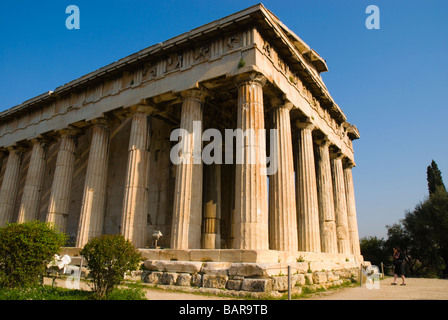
(295, 81)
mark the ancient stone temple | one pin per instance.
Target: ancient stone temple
(95, 156)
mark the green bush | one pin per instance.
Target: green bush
(25, 250)
(108, 258)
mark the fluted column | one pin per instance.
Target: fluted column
(327, 219)
(94, 197)
(251, 198)
(10, 184)
(58, 207)
(135, 200)
(29, 206)
(211, 235)
(351, 209)
(282, 199)
(187, 210)
(340, 204)
(308, 208)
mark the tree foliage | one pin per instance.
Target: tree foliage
(434, 178)
(25, 250)
(423, 233)
(108, 258)
(373, 250)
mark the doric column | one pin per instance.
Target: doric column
(327, 220)
(187, 210)
(340, 204)
(211, 235)
(10, 184)
(282, 198)
(94, 196)
(135, 200)
(351, 208)
(58, 207)
(308, 208)
(29, 206)
(251, 201)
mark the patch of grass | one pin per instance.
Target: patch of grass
(56, 293)
(43, 293)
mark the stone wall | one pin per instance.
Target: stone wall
(241, 279)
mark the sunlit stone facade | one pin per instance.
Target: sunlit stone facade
(93, 156)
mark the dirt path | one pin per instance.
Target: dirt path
(167, 295)
(415, 289)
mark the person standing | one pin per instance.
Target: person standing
(398, 262)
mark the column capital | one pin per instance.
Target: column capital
(322, 141)
(104, 122)
(15, 149)
(305, 124)
(70, 131)
(337, 155)
(146, 108)
(44, 141)
(252, 77)
(277, 102)
(200, 94)
(348, 163)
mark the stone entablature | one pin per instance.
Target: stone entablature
(93, 156)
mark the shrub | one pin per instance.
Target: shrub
(25, 250)
(108, 258)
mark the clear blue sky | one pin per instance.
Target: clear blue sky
(391, 83)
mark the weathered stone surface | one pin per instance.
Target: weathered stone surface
(173, 266)
(331, 276)
(282, 204)
(298, 279)
(306, 189)
(29, 206)
(257, 285)
(59, 203)
(154, 277)
(319, 277)
(308, 278)
(186, 225)
(196, 280)
(204, 255)
(215, 268)
(327, 220)
(340, 201)
(149, 254)
(247, 269)
(234, 284)
(169, 278)
(299, 267)
(280, 283)
(214, 281)
(184, 279)
(173, 254)
(135, 198)
(320, 266)
(258, 256)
